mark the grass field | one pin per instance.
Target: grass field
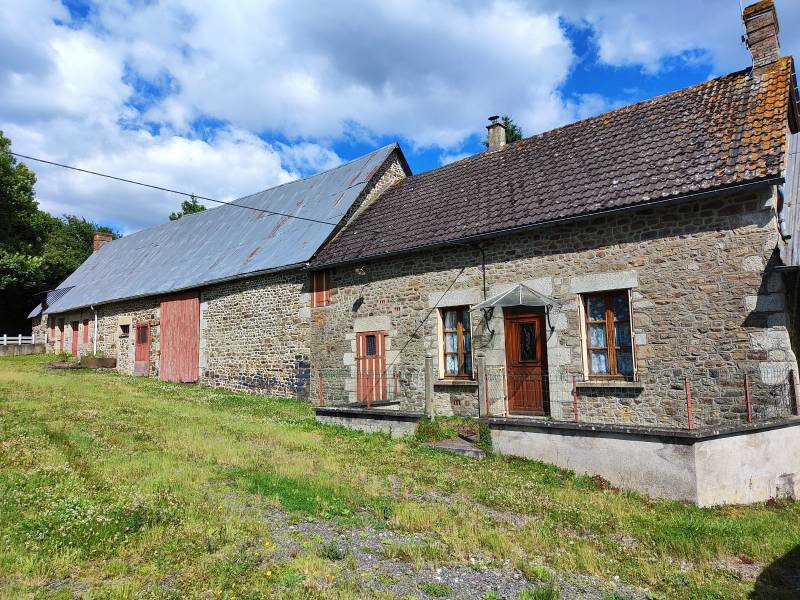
(120, 487)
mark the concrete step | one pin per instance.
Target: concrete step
(458, 446)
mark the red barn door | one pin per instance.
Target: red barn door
(180, 337)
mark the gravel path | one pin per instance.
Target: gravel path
(375, 570)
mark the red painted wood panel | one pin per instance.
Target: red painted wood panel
(371, 366)
(141, 354)
(86, 331)
(320, 288)
(61, 335)
(75, 338)
(180, 337)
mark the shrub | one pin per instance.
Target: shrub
(435, 589)
(331, 551)
(540, 593)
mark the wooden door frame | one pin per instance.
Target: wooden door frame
(511, 315)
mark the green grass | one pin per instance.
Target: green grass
(541, 593)
(120, 487)
(436, 589)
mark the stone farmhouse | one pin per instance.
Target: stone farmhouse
(219, 297)
(617, 296)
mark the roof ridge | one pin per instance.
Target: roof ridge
(224, 204)
(713, 135)
(584, 121)
(339, 166)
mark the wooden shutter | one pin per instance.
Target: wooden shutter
(320, 288)
(86, 331)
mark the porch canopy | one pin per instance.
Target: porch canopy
(519, 295)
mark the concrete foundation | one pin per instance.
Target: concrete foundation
(722, 466)
(395, 423)
(22, 349)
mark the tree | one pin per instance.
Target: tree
(188, 207)
(70, 243)
(22, 226)
(513, 131)
(37, 251)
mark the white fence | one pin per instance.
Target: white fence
(19, 340)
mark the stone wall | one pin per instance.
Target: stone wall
(703, 300)
(254, 334)
(111, 339)
(22, 349)
(709, 469)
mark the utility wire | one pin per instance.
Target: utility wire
(393, 233)
(171, 191)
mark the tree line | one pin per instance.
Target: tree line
(37, 250)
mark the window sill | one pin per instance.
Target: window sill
(610, 383)
(455, 383)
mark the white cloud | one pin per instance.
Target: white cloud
(430, 71)
(308, 73)
(232, 164)
(637, 33)
(451, 157)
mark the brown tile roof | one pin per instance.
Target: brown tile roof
(713, 135)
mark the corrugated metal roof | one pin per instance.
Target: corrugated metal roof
(221, 243)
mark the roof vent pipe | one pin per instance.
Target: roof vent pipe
(496, 138)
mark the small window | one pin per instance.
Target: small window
(124, 330)
(608, 335)
(320, 288)
(371, 348)
(457, 342)
(527, 341)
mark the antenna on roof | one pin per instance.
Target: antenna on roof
(741, 20)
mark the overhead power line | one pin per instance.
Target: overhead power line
(393, 233)
(171, 191)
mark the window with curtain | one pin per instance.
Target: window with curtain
(608, 335)
(456, 342)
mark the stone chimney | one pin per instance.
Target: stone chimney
(101, 239)
(497, 134)
(761, 26)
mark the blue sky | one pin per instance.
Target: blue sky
(226, 99)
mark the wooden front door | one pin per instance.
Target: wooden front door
(180, 337)
(75, 338)
(141, 360)
(526, 362)
(371, 367)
